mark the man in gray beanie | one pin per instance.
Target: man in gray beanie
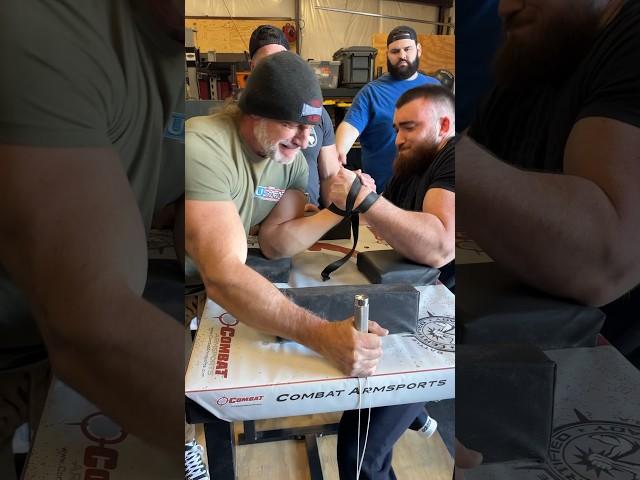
(321, 153)
(245, 173)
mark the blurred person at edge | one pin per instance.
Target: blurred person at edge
(552, 158)
(81, 168)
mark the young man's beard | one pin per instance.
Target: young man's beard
(549, 55)
(403, 73)
(169, 14)
(415, 161)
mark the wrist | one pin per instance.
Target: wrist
(310, 330)
(362, 194)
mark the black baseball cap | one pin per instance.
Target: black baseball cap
(400, 33)
(266, 35)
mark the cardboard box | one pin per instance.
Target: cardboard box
(76, 441)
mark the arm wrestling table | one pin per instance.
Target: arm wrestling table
(237, 373)
(595, 420)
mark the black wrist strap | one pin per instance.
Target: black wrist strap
(355, 221)
(351, 200)
(367, 202)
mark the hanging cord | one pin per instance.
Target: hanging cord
(359, 459)
(355, 222)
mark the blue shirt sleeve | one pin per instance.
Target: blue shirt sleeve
(358, 114)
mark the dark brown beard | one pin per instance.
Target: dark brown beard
(398, 74)
(416, 161)
(169, 14)
(549, 55)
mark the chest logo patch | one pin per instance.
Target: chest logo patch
(175, 127)
(313, 138)
(270, 194)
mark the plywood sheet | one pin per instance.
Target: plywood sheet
(227, 35)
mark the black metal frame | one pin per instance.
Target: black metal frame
(219, 436)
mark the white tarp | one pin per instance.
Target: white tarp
(240, 8)
(324, 32)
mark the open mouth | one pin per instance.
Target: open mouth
(288, 148)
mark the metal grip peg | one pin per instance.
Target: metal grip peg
(361, 313)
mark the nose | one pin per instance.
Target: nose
(400, 139)
(301, 138)
(506, 8)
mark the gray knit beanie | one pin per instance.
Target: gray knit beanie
(283, 87)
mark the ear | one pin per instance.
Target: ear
(445, 125)
(419, 49)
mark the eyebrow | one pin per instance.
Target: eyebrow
(396, 50)
(408, 123)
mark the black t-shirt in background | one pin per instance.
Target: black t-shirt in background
(530, 128)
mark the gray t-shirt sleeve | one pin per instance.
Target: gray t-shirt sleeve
(328, 135)
(207, 175)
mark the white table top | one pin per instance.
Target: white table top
(596, 425)
(260, 366)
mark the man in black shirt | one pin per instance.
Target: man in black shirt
(417, 218)
(424, 171)
(552, 160)
(416, 215)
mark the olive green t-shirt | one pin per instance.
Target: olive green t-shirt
(221, 167)
(91, 73)
(88, 73)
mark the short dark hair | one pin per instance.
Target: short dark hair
(435, 93)
(266, 35)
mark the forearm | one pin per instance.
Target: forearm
(419, 236)
(325, 190)
(104, 340)
(346, 135)
(81, 262)
(556, 232)
(131, 350)
(268, 311)
(328, 166)
(294, 236)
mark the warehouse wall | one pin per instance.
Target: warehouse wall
(322, 32)
(228, 35)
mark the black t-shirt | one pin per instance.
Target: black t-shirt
(409, 193)
(530, 129)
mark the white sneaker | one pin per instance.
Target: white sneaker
(429, 427)
(194, 466)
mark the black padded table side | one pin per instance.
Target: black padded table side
(494, 307)
(394, 307)
(388, 266)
